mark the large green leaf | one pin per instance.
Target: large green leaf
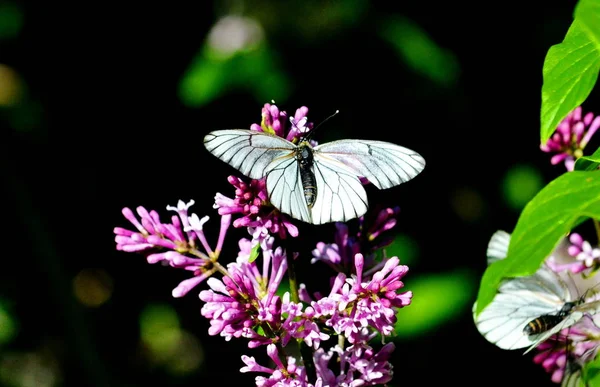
(588, 13)
(547, 218)
(588, 163)
(570, 72)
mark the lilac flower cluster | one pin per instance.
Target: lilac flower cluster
(246, 300)
(571, 137)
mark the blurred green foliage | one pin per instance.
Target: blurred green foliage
(8, 323)
(403, 247)
(438, 298)
(416, 48)
(520, 184)
(11, 20)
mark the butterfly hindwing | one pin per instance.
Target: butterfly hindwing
(285, 189)
(340, 194)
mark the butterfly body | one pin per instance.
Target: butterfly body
(546, 322)
(304, 155)
(318, 184)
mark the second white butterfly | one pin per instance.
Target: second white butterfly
(318, 184)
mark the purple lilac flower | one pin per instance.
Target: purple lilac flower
(282, 375)
(359, 365)
(360, 302)
(246, 299)
(275, 121)
(583, 251)
(175, 243)
(575, 345)
(580, 256)
(251, 201)
(371, 237)
(570, 138)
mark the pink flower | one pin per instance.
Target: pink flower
(571, 136)
(177, 243)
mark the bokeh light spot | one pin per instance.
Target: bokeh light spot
(92, 287)
(520, 184)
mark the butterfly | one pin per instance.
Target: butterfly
(528, 310)
(318, 184)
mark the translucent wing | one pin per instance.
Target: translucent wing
(248, 151)
(340, 194)
(573, 368)
(518, 301)
(285, 188)
(384, 164)
(498, 246)
(572, 376)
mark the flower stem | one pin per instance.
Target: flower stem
(291, 271)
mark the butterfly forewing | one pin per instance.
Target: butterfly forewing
(248, 151)
(384, 164)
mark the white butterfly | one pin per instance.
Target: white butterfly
(316, 185)
(528, 310)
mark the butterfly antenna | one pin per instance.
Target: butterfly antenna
(321, 123)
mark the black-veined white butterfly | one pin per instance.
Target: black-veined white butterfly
(528, 310)
(315, 184)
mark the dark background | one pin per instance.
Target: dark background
(109, 131)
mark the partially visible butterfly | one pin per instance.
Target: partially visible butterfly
(528, 310)
(318, 184)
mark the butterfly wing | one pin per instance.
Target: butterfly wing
(518, 301)
(340, 194)
(572, 376)
(248, 151)
(384, 164)
(498, 246)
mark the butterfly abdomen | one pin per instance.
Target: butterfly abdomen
(542, 324)
(548, 321)
(304, 155)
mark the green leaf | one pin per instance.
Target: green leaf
(588, 163)
(547, 218)
(426, 312)
(588, 13)
(570, 73)
(591, 372)
(254, 253)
